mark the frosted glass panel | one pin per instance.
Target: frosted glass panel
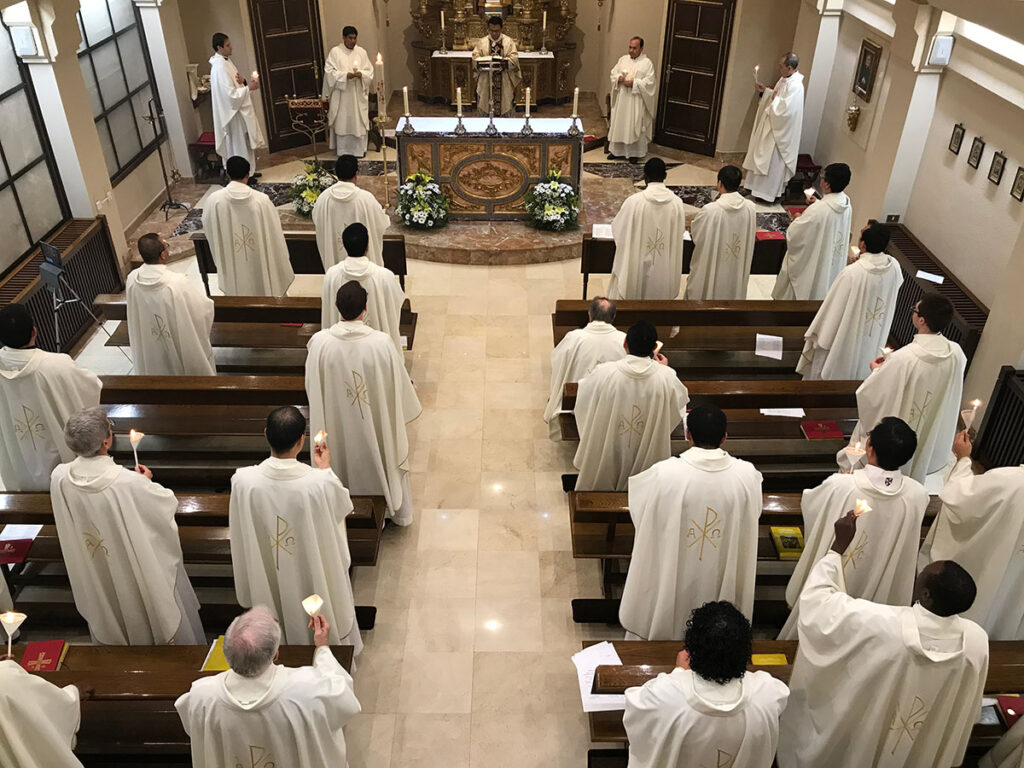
(17, 132)
(108, 72)
(14, 242)
(108, 148)
(122, 126)
(10, 76)
(35, 191)
(134, 61)
(122, 12)
(95, 20)
(90, 87)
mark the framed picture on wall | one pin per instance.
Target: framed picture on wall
(1017, 190)
(977, 149)
(995, 171)
(867, 69)
(956, 139)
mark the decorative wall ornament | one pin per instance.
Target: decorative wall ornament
(867, 69)
(977, 150)
(852, 117)
(995, 171)
(1017, 190)
(957, 139)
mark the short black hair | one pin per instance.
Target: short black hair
(602, 308)
(16, 326)
(951, 588)
(285, 426)
(655, 170)
(356, 239)
(637, 37)
(219, 38)
(838, 176)
(150, 247)
(641, 339)
(936, 310)
(707, 425)
(718, 639)
(237, 167)
(791, 60)
(731, 177)
(346, 167)
(351, 300)
(894, 442)
(875, 237)
(495, 19)
(349, 30)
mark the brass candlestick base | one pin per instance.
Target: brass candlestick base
(460, 129)
(491, 129)
(574, 129)
(407, 129)
(526, 130)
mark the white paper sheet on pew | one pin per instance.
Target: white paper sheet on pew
(938, 279)
(13, 532)
(768, 346)
(587, 661)
(793, 413)
(603, 232)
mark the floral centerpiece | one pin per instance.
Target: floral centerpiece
(421, 203)
(553, 204)
(307, 186)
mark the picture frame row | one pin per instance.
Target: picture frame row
(998, 165)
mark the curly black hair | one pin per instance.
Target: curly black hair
(719, 641)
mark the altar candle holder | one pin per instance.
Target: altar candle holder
(526, 130)
(574, 129)
(444, 49)
(407, 129)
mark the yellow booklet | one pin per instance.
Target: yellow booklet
(789, 541)
(768, 659)
(215, 660)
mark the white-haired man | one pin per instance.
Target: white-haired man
(265, 712)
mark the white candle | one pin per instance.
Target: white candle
(255, 75)
(380, 68)
(319, 437)
(861, 507)
(527, 101)
(458, 101)
(854, 251)
(757, 68)
(11, 620)
(969, 416)
(135, 438)
(855, 452)
(312, 604)
(442, 20)
(544, 22)
(576, 102)
(886, 351)
(405, 98)
(810, 192)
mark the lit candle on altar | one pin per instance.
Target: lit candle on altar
(405, 98)
(135, 438)
(319, 437)
(544, 22)
(527, 101)
(969, 416)
(861, 507)
(576, 102)
(442, 20)
(458, 101)
(11, 620)
(312, 605)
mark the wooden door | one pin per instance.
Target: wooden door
(289, 54)
(693, 74)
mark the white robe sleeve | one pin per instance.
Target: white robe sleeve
(334, 78)
(343, 704)
(644, 85)
(958, 494)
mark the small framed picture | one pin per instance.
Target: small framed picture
(977, 149)
(867, 69)
(995, 171)
(1017, 190)
(956, 139)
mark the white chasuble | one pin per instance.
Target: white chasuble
(384, 296)
(625, 413)
(338, 206)
(39, 392)
(723, 247)
(1008, 751)
(981, 526)
(288, 541)
(777, 126)
(244, 230)
(290, 717)
(696, 541)
(881, 563)
(853, 324)
(349, 110)
(879, 686)
(169, 321)
(817, 246)
(361, 394)
(648, 232)
(123, 555)
(681, 720)
(574, 357)
(511, 76)
(236, 127)
(631, 124)
(38, 720)
(920, 383)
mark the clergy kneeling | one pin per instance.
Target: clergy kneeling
(288, 536)
(631, 123)
(345, 203)
(39, 720)
(266, 713)
(120, 544)
(696, 520)
(348, 76)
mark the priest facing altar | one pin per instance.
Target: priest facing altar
(499, 88)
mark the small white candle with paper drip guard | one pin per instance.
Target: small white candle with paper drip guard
(135, 438)
(757, 68)
(855, 452)
(969, 415)
(810, 192)
(854, 252)
(458, 101)
(576, 102)
(11, 620)
(319, 437)
(527, 102)
(255, 75)
(405, 98)
(861, 507)
(886, 351)
(312, 605)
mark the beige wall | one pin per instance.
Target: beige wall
(139, 191)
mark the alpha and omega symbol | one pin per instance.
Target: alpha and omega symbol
(709, 533)
(357, 393)
(909, 724)
(30, 426)
(245, 242)
(284, 539)
(634, 425)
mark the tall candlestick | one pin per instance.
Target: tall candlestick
(544, 22)
(405, 98)
(527, 101)
(442, 20)
(458, 101)
(576, 102)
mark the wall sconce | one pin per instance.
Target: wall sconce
(852, 117)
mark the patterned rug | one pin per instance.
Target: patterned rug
(278, 192)
(633, 171)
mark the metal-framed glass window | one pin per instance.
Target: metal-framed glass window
(119, 80)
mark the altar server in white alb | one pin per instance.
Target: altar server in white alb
(345, 203)
(625, 412)
(1008, 751)
(579, 352)
(922, 383)
(981, 526)
(244, 230)
(348, 77)
(634, 82)
(39, 391)
(260, 713)
(648, 231)
(881, 564)
(236, 126)
(723, 232)
(883, 686)
(501, 87)
(775, 140)
(120, 544)
(709, 710)
(854, 321)
(288, 538)
(696, 533)
(169, 317)
(384, 294)
(361, 395)
(38, 720)
(817, 241)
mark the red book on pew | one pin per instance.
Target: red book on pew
(821, 430)
(14, 550)
(1011, 708)
(44, 655)
(766, 234)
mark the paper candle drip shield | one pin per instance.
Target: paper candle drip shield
(861, 507)
(313, 604)
(135, 438)
(970, 414)
(11, 620)
(319, 437)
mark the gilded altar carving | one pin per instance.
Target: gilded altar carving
(517, 206)
(459, 204)
(560, 159)
(464, 23)
(418, 157)
(450, 155)
(490, 178)
(527, 155)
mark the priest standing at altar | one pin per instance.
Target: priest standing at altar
(348, 75)
(498, 44)
(775, 140)
(634, 82)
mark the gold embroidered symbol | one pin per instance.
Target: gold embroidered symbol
(283, 540)
(656, 244)
(632, 426)
(840, 246)
(732, 247)
(259, 757)
(94, 543)
(918, 410)
(722, 759)
(875, 316)
(909, 725)
(245, 241)
(39, 662)
(31, 426)
(708, 532)
(357, 392)
(160, 331)
(856, 552)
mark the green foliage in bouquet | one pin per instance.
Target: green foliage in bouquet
(307, 186)
(421, 203)
(553, 204)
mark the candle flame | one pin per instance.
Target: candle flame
(135, 437)
(380, 59)
(861, 507)
(313, 604)
(810, 192)
(855, 250)
(886, 350)
(320, 437)
(975, 403)
(255, 75)
(856, 446)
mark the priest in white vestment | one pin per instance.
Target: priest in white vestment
(881, 686)
(775, 139)
(648, 232)
(633, 85)
(922, 383)
(709, 711)
(384, 294)
(361, 394)
(288, 535)
(579, 352)
(39, 391)
(882, 563)
(169, 317)
(724, 232)
(348, 76)
(981, 526)
(497, 45)
(695, 517)
(236, 126)
(266, 714)
(1008, 751)
(817, 241)
(120, 544)
(38, 720)
(625, 413)
(854, 321)
(246, 239)
(345, 203)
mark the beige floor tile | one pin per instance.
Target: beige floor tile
(508, 575)
(507, 490)
(448, 529)
(467, 395)
(449, 574)
(441, 624)
(507, 455)
(508, 530)
(562, 575)
(508, 624)
(503, 424)
(449, 491)
(369, 739)
(431, 741)
(436, 682)
(378, 678)
(526, 395)
(455, 455)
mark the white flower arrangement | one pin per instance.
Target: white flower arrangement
(421, 203)
(553, 204)
(307, 186)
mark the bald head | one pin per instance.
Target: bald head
(945, 588)
(251, 642)
(602, 309)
